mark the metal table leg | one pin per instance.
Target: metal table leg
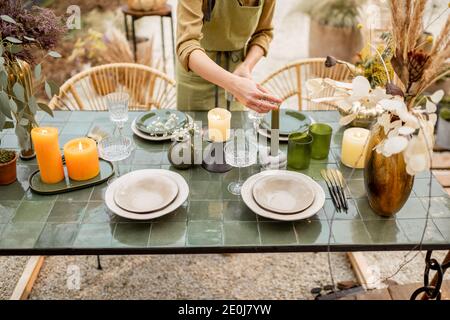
(133, 30)
(163, 44)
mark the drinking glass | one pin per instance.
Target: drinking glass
(240, 152)
(117, 103)
(114, 149)
(321, 134)
(299, 150)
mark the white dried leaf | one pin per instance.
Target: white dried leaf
(430, 107)
(406, 131)
(394, 145)
(437, 96)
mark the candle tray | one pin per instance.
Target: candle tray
(67, 185)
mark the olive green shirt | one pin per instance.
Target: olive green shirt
(190, 22)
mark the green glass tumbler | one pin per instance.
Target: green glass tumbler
(299, 150)
(321, 134)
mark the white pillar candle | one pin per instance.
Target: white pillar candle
(354, 145)
(219, 122)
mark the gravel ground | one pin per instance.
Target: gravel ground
(246, 276)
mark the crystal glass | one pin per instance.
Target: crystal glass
(321, 134)
(299, 150)
(115, 149)
(117, 103)
(240, 152)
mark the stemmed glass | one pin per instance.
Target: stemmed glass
(114, 149)
(240, 152)
(117, 103)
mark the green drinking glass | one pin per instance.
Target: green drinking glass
(321, 134)
(299, 150)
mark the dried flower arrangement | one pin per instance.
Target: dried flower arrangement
(405, 112)
(27, 34)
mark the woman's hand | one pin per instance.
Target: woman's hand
(252, 95)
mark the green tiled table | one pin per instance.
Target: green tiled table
(212, 220)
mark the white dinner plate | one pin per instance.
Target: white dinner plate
(247, 197)
(283, 193)
(183, 193)
(147, 193)
(148, 137)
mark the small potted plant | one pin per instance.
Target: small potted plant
(8, 159)
(27, 37)
(334, 28)
(443, 127)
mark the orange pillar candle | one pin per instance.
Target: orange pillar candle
(48, 155)
(81, 159)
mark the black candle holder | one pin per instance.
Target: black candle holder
(214, 160)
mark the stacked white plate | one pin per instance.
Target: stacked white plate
(283, 195)
(146, 194)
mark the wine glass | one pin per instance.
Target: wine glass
(115, 149)
(240, 152)
(117, 103)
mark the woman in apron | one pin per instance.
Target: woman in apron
(218, 44)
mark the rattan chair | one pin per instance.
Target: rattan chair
(148, 88)
(290, 81)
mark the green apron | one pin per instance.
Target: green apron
(225, 38)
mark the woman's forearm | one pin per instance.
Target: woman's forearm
(201, 64)
(254, 54)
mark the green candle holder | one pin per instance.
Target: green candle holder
(299, 150)
(321, 134)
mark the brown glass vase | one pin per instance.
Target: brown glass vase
(388, 185)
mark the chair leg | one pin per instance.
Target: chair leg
(99, 264)
(173, 41)
(163, 44)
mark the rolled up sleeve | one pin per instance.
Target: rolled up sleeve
(263, 34)
(189, 29)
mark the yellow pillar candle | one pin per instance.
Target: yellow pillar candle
(354, 145)
(219, 122)
(48, 155)
(81, 159)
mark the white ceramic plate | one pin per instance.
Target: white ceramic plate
(247, 197)
(145, 136)
(183, 192)
(283, 194)
(143, 194)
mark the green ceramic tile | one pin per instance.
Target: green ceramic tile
(186, 174)
(422, 188)
(24, 172)
(414, 228)
(64, 138)
(66, 212)
(277, 233)
(237, 211)
(79, 195)
(33, 211)
(314, 169)
(99, 192)
(444, 227)
(131, 235)
(97, 235)
(57, 235)
(227, 195)
(79, 128)
(205, 210)
(205, 190)
(204, 233)
(439, 206)
(311, 232)
(20, 235)
(357, 188)
(350, 232)
(57, 124)
(385, 231)
(153, 157)
(32, 196)
(413, 208)
(7, 210)
(168, 234)
(349, 173)
(351, 214)
(58, 116)
(2, 227)
(179, 215)
(13, 191)
(241, 233)
(365, 211)
(88, 116)
(97, 212)
(200, 174)
(233, 175)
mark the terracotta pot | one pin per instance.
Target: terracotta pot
(8, 171)
(343, 43)
(146, 5)
(388, 185)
